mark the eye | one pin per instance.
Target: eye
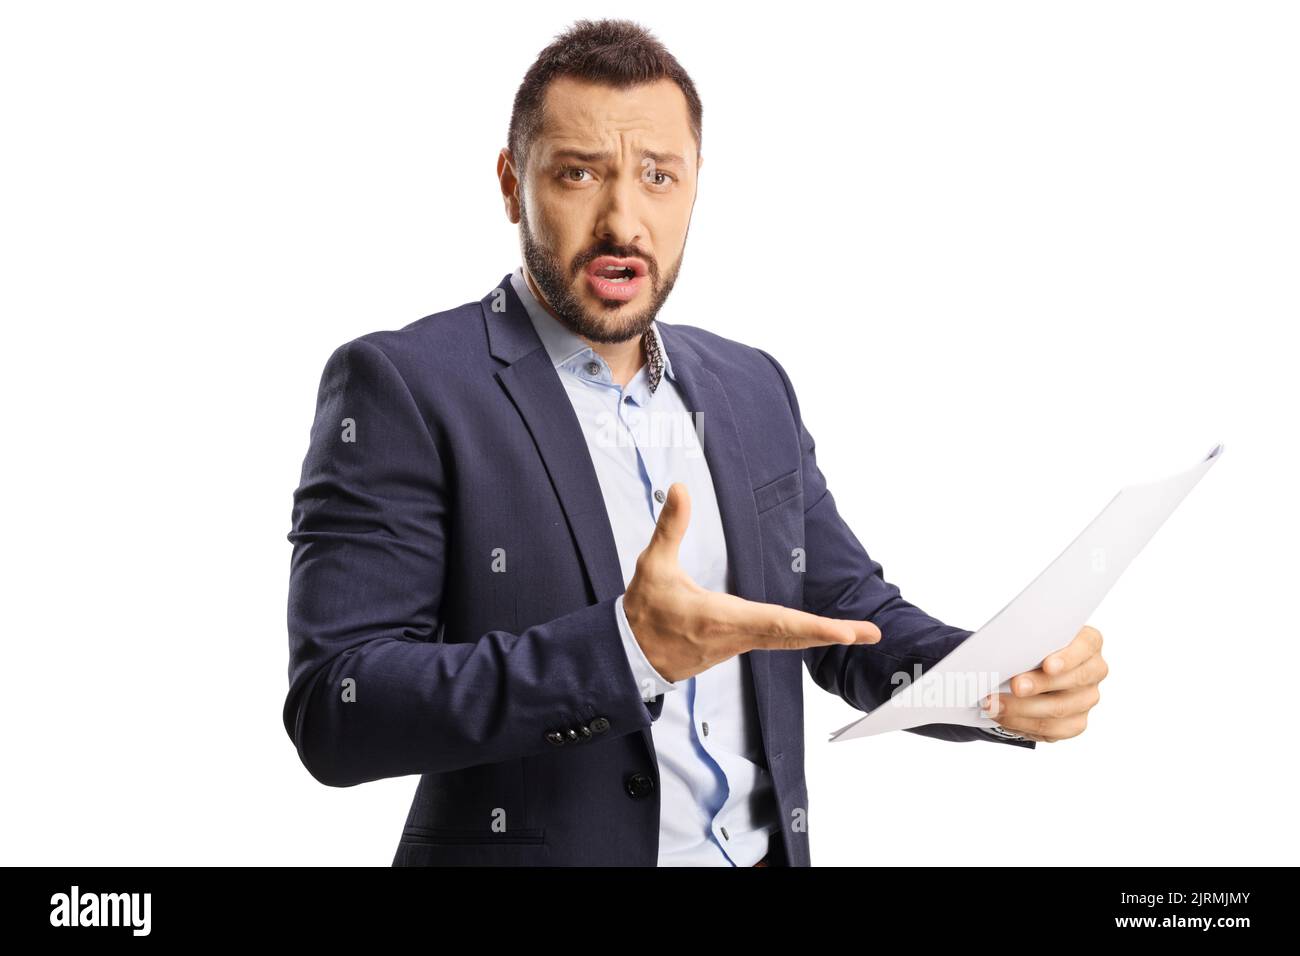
(566, 170)
(651, 174)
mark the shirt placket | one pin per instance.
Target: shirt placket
(658, 462)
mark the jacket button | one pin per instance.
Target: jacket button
(571, 736)
(584, 732)
(639, 784)
(599, 725)
(556, 738)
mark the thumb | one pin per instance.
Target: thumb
(673, 519)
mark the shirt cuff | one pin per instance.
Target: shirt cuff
(1005, 736)
(649, 680)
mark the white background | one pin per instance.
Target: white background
(1013, 255)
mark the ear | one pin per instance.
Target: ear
(509, 183)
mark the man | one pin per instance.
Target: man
(584, 628)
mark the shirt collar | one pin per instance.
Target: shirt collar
(565, 347)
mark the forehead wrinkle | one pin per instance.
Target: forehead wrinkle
(660, 157)
(584, 128)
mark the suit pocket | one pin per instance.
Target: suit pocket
(780, 489)
(459, 836)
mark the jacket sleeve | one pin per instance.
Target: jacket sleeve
(374, 691)
(841, 580)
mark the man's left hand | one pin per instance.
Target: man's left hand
(1052, 701)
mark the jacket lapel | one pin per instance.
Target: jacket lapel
(537, 392)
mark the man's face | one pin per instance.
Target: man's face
(608, 193)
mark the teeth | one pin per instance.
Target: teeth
(616, 274)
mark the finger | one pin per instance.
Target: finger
(1091, 671)
(776, 627)
(1085, 644)
(1056, 705)
(670, 528)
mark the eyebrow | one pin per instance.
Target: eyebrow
(660, 159)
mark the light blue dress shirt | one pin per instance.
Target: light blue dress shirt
(717, 803)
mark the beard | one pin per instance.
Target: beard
(556, 284)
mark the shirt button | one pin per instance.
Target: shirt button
(706, 728)
(660, 496)
(724, 833)
(593, 368)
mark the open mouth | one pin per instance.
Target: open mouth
(613, 278)
(612, 269)
(616, 273)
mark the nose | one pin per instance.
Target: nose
(619, 221)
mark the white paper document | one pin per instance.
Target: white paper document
(1043, 618)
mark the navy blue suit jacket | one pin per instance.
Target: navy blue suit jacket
(510, 694)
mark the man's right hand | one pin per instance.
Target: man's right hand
(684, 629)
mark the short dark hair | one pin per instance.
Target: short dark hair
(618, 53)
